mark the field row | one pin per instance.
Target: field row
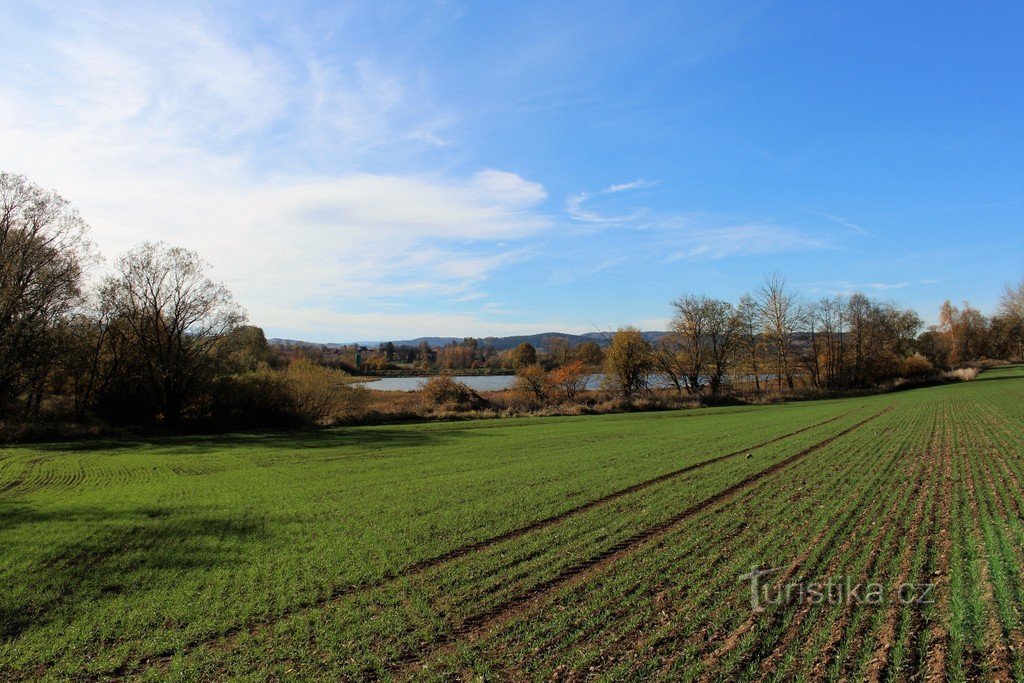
(560, 548)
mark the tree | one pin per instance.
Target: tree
(811, 357)
(1006, 337)
(589, 353)
(669, 359)
(700, 344)
(685, 343)
(748, 323)
(43, 253)
(1011, 303)
(627, 362)
(523, 355)
(557, 348)
(243, 349)
(533, 381)
(965, 333)
(1007, 327)
(721, 340)
(569, 380)
(424, 354)
(826, 357)
(779, 312)
(174, 317)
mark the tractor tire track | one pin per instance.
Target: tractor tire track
(483, 621)
(702, 636)
(882, 538)
(887, 636)
(422, 566)
(840, 529)
(938, 632)
(998, 643)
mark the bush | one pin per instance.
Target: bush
(252, 400)
(444, 392)
(319, 395)
(916, 367)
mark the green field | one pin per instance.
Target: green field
(567, 548)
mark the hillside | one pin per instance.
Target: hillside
(498, 343)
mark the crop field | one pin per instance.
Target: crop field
(876, 538)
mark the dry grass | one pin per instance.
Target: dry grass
(961, 374)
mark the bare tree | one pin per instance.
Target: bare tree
(689, 329)
(43, 253)
(832, 321)
(810, 320)
(779, 311)
(723, 335)
(532, 381)
(701, 343)
(1011, 303)
(174, 316)
(749, 324)
(1008, 324)
(668, 359)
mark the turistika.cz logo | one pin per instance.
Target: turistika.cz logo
(833, 591)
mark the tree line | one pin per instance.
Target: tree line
(157, 341)
(154, 341)
(771, 338)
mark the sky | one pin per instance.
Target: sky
(385, 170)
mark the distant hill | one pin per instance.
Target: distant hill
(499, 343)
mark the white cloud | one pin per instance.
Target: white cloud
(637, 184)
(574, 205)
(163, 128)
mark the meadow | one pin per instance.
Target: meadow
(606, 546)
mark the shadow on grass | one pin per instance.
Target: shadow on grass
(337, 437)
(999, 374)
(118, 553)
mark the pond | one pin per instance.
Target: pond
(480, 382)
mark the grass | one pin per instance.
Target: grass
(538, 547)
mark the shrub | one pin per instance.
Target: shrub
(444, 392)
(352, 401)
(916, 367)
(319, 394)
(252, 400)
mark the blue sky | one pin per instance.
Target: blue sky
(383, 170)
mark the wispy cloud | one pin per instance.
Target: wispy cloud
(574, 205)
(574, 273)
(738, 240)
(850, 287)
(857, 228)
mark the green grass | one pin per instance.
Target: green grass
(547, 547)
